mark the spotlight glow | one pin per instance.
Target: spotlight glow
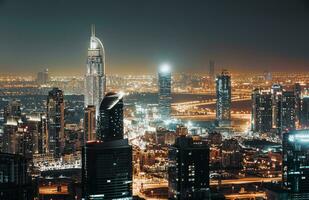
(165, 68)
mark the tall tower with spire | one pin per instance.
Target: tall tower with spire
(95, 78)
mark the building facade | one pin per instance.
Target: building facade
(223, 104)
(261, 111)
(110, 122)
(95, 78)
(165, 92)
(295, 163)
(55, 121)
(288, 111)
(89, 123)
(107, 163)
(15, 182)
(188, 172)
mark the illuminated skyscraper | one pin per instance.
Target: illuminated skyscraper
(305, 112)
(55, 121)
(297, 93)
(276, 91)
(89, 123)
(188, 172)
(223, 90)
(165, 91)
(287, 111)
(261, 111)
(95, 79)
(110, 121)
(107, 163)
(295, 161)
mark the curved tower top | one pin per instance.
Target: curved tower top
(95, 79)
(96, 47)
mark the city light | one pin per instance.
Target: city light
(86, 121)
(165, 68)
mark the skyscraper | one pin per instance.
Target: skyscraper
(165, 90)
(297, 93)
(42, 77)
(110, 122)
(15, 182)
(107, 163)
(188, 172)
(89, 123)
(223, 90)
(276, 91)
(13, 109)
(55, 121)
(261, 110)
(95, 79)
(295, 161)
(305, 112)
(287, 111)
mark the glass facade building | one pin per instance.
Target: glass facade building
(110, 122)
(261, 111)
(165, 92)
(188, 172)
(55, 121)
(95, 79)
(223, 104)
(107, 163)
(295, 161)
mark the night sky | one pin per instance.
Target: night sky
(138, 35)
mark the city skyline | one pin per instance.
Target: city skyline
(170, 100)
(140, 36)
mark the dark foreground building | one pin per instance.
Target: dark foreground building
(295, 168)
(188, 172)
(295, 162)
(15, 184)
(107, 163)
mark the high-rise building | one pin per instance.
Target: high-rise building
(42, 77)
(276, 91)
(89, 123)
(297, 93)
(110, 122)
(188, 172)
(36, 124)
(305, 112)
(295, 161)
(13, 109)
(15, 182)
(261, 111)
(107, 163)
(8, 139)
(223, 105)
(231, 154)
(55, 121)
(287, 111)
(95, 79)
(212, 70)
(165, 91)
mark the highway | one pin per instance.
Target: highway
(245, 181)
(163, 183)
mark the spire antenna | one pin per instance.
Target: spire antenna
(92, 30)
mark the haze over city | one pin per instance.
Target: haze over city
(154, 100)
(243, 36)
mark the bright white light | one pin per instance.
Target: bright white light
(165, 68)
(93, 43)
(121, 93)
